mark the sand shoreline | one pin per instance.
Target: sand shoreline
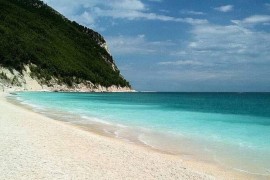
(33, 147)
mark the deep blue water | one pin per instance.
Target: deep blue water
(232, 129)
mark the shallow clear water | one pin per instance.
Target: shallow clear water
(231, 129)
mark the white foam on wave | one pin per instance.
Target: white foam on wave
(116, 133)
(19, 98)
(142, 139)
(94, 119)
(102, 121)
(28, 103)
(36, 107)
(127, 138)
(121, 125)
(258, 174)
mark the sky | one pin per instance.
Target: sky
(182, 45)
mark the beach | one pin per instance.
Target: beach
(33, 146)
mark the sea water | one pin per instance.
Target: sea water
(230, 129)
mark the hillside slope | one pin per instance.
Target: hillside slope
(38, 42)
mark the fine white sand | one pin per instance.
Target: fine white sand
(36, 147)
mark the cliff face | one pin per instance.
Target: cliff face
(12, 80)
(42, 50)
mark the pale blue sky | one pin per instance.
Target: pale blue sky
(182, 45)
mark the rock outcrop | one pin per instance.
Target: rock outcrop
(12, 80)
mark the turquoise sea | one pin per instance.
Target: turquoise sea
(230, 129)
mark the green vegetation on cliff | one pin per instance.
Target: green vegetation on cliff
(33, 33)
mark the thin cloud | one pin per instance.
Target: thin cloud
(267, 5)
(257, 19)
(225, 8)
(88, 12)
(139, 44)
(253, 20)
(156, 0)
(228, 52)
(189, 12)
(126, 5)
(141, 15)
(181, 63)
(225, 45)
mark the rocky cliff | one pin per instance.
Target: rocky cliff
(12, 80)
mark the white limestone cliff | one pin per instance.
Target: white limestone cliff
(12, 80)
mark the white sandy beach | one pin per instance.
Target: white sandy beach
(36, 147)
